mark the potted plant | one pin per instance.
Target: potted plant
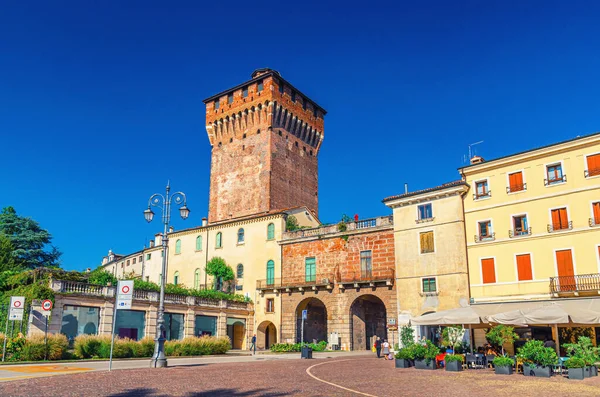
(575, 366)
(503, 365)
(537, 359)
(425, 355)
(405, 357)
(453, 362)
(585, 351)
(500, 335)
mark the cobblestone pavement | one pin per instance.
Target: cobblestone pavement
(364, 376)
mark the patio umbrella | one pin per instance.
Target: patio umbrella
(543, 314)
(461, 315)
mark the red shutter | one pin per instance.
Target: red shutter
(564, 265)
(593, 163)
(555, 219)
(524, 267)
(564, 220)
(516, 181)
(596, 207)
(488, 271)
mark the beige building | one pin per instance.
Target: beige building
(431, 257)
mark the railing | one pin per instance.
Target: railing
(548, 182)
(176, 298)
(340, 227)
(488, 237)
(518, 232)
(76, 287)
(579, 283)
(477, 196)
(206, 302)
(368, 276)
(594, 222)
(560, 226)
(141, 295)
(592, 172)
(423, 220)
(237, 305)
(516, 188)
(273, 283)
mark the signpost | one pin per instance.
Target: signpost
(15, 313)
(392, 326)
(46, 312)
(123, 301)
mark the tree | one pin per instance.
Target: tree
(452, 336)
(31, 244)
(291, 223)
(407, 336)
(218, 268)
(7, 261)
(500, 335)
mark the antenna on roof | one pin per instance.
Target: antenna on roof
(470, 146)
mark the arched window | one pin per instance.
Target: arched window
(270, 273)
(218, 242)
(199, 243)
(176, 278)
(177, 247)
(240, 236)
(240, 271)
(270, 231)
(197, 279)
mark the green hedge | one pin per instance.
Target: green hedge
(295, 347)
(34, 348)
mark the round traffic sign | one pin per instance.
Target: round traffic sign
(125, 289)
(47, 305)
(17, 304)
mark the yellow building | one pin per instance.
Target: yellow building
(431, 258)
(531, 222)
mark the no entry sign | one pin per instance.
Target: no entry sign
(17, 306)
(124, 294)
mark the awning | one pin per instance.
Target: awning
(461, 315)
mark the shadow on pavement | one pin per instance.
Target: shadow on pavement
(138, 392)
(145, 392)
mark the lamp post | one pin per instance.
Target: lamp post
(159, 359)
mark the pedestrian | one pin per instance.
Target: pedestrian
(386, 349)
(378, 346)
(253, 346)
(550, 343)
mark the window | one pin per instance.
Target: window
(270, 231)
(216, 104)
(281, 88)
(134, 261)
(485, 230)
(148, 256)
(270, 305)
(596, 214)
(593, 165)
(310, 270)
(520, 227)
(240, 271)
(293, 96)
(260, 86)
(197, 279)
(560, 219)
(429, 284)
(174, 325)
(366, 266)
(230, 99)
(177, 247)
(79, 320)
(245, 92)
(554, 174)
(315, 112)
(127, 262)
(488, 271)
(240, 236)
(524, 267)
(141, 258)
(270, 273)
(218, 242)
(176, 278)
(199, 243)
(481, 190)
(425, 212)
(515, 182)
(304, 103)
(426, 239)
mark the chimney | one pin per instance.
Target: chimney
(477, 160)
(171, 229)
(405, 188)
(151, 243)
(204, 222)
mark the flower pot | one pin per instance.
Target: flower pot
(537, 370)
(403, 363)
(587, 372)
(424, 364)
(454, 366)
(504, 370)
(594, 370)
(576, 373)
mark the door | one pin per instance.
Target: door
(566, 274)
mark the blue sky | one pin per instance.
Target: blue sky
(101, 101)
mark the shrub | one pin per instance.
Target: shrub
(34, 350)
(583, 349)
(101, 277)
(503, 361)
(426, 352)
(501, 334)
(406, 353)
(143, 348)
(295, 347)
(57, 346)
(197, 346)
(575, 362)
(448, 358)
(407, 336)
(534, 352)
(88, 346)
(122, 348)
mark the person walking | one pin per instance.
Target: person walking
(386, 349)
(253, 346)
(378, 346)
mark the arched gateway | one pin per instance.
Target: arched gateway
(367, 320)
(266, 335)
(315, 325)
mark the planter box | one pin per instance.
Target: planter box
(576, 373)
(403, 363)
(594, 370)
(454, 366)
(587, 372)
(422, 364)
(504, 370)
(543, 372)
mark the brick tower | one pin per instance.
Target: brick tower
(265, 137)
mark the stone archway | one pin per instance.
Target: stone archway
(367, 320)
(315, 325)
(266, 335)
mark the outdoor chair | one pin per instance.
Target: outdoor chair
(489, 358)
(475, 361)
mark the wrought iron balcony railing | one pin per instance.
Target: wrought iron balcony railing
(594, 222)
(554, 181)
(556, 227)
(592, 172)
(489, 237)
(367, 276)
(479, 196)
(519, 232)
(575, 284)
(516, 188)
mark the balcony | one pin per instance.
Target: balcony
(345, 228)
(289, 284)
(550, 182)
(575, 284)
(594, 222)
(487, 237)
(516, 188)
(592, 172)
(479, 196)
(560, 227)
(356, 279)
(423, 220)
(519, 232)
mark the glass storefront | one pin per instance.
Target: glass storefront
(205, 325)
(80, 320)
(130, 324)
(174, 324)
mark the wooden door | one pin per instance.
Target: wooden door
(566, 273)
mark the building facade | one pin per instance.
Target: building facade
(431, 257)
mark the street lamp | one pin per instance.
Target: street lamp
(159, 359)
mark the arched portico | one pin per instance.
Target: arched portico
(368, 318)
(266, 335)
(315, 325)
